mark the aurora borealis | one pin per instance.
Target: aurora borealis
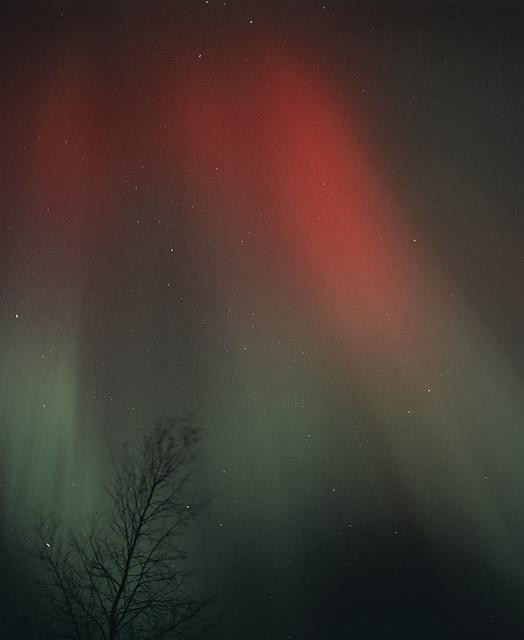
(299, 221)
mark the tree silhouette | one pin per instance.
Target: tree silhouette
(125, 575)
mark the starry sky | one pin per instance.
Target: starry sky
(301, 222)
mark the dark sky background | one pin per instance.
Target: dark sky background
(302, 222)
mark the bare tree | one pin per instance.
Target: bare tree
(125, 576)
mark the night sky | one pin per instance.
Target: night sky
(302, 222)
